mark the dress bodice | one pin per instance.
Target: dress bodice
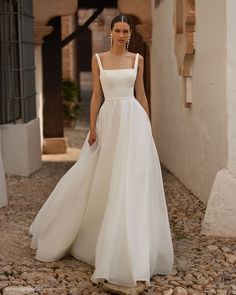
(118, 83)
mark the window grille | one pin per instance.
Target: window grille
(17, 69)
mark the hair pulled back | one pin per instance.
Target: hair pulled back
(120, 18)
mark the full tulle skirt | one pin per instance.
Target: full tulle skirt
(109, 209)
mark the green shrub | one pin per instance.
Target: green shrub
(71, 104)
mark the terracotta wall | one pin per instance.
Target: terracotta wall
(68, 24)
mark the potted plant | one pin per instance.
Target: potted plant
(71, 104)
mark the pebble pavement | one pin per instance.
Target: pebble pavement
(203, 265)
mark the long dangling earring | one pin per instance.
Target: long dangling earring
(127, 44)
(111, 41)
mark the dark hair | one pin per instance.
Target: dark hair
(120, 18)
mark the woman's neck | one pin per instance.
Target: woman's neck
(118, 50)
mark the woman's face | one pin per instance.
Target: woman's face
(120, 33)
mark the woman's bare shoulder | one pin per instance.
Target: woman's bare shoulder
(140, 56)
(103, 54)
(133, 55)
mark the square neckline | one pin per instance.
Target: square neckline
(129, 69)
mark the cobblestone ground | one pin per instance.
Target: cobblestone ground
(203, 265)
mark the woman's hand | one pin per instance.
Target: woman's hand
(92, 137)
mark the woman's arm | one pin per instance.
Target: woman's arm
(96, 100)
(139, 86)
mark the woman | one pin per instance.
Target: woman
(109, 209)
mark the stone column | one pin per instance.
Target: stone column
(40, 31)
(44, 11)
(52, 83)
(146, 32)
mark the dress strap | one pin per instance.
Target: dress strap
(99, 61)
(136, 62)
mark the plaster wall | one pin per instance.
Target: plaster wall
(219, 219)
(192, 143)
(231, 85)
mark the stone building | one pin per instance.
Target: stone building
(23, 25)
(190, 64)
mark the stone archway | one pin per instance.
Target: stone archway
(44, 11)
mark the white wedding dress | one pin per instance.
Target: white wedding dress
(109, 209)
